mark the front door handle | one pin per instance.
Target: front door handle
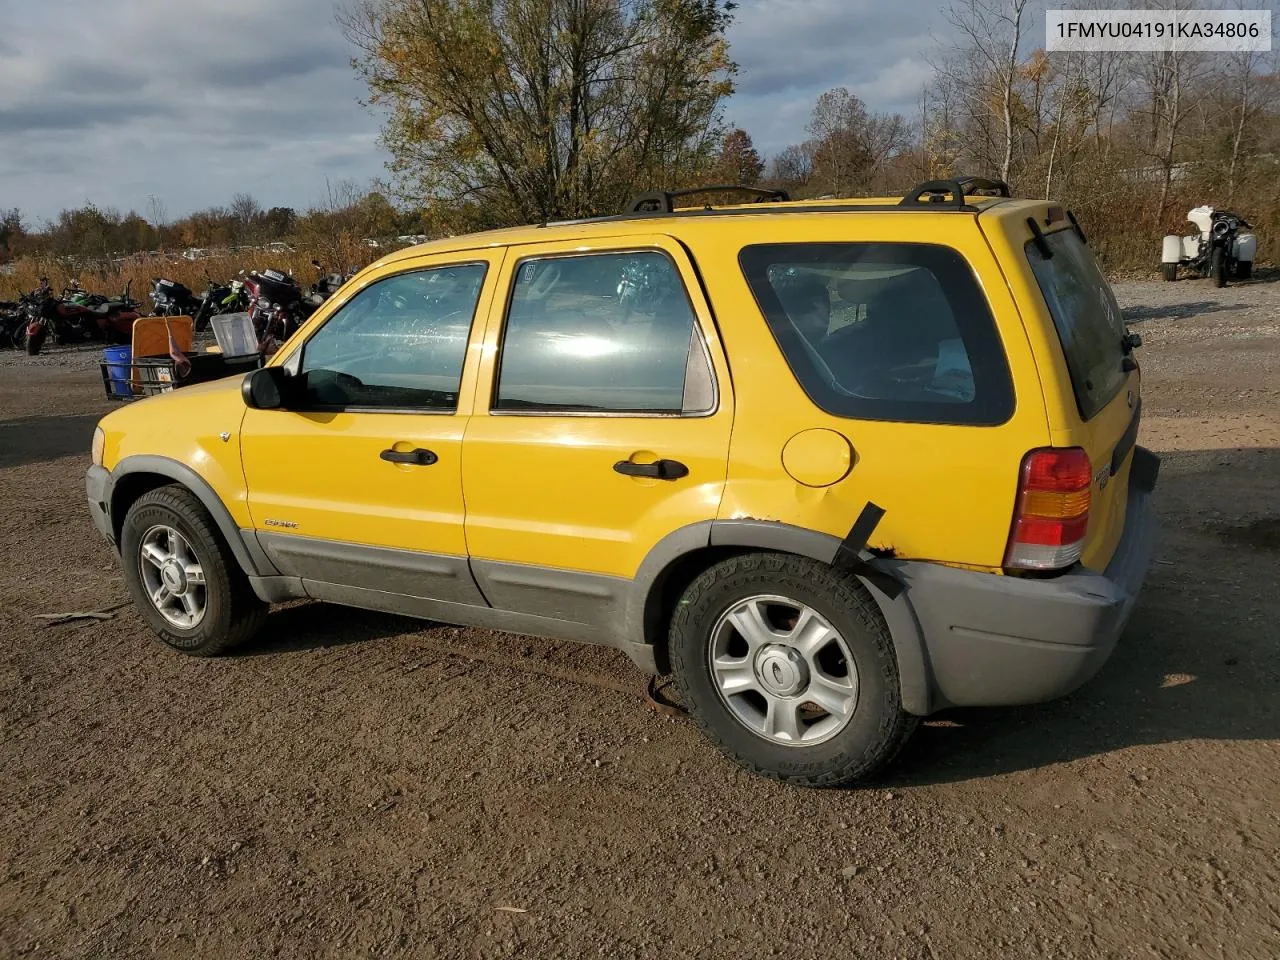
(418, 458)
(658, 470)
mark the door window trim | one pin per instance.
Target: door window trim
(698, 334)
(294, 360)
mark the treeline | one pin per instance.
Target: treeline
(528, 111)
(1130, 141)
(104, 233)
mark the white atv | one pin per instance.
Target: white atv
(1219, 250)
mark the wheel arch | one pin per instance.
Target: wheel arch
(682, 555)
(138, 475)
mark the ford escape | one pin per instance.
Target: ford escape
(835, 464)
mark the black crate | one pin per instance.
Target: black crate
(153, 375)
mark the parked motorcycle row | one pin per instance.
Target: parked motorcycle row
(275, 302)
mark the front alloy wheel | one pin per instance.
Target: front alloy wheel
(183, 577)
(173, 577)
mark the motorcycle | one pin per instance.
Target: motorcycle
(12, 318)
(173, 299)
(326, 285)
(275, 307)
(79, 316)
(1220, 250)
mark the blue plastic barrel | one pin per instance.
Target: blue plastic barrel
(119, 363)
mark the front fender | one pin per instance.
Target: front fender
(119, 494)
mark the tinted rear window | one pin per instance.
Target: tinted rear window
(884, 331)
(1088, 320)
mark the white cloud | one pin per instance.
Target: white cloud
(194, 100)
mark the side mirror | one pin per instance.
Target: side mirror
(266, 388)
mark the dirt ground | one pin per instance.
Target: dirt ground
(357, 785)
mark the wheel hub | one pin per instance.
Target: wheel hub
(174, 578)
(781, 670)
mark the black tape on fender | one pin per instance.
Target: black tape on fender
(849, 556)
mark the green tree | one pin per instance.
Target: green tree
(542, 109)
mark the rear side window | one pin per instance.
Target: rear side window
(884, 331)
(1088, 320)
(602, 333)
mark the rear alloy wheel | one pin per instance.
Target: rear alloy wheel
(788, 666)
(783, 671)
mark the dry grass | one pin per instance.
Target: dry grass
(137, 272)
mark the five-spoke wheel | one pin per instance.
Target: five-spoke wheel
(183, 576)
(173, 576)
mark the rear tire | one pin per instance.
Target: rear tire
(1169, 271)
(849, 654)
(1244, 269)
(171, 520)
(1218, 267)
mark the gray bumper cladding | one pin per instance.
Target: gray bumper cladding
(999, 641)
(95, 486)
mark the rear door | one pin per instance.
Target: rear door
(601, 423)
(1093, 386)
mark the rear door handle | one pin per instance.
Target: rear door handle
(658, 470)
(418, 458)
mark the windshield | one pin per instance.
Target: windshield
(1088, 320)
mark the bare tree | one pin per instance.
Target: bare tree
(794, 165)
(157, 212)
(1241, 77)
(985, 59)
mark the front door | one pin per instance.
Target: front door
(601, 424)
(360, 483)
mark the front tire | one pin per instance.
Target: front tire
(1169, 271)
(35, 341)
(183, 578)
(788, 666)
(1218, 267)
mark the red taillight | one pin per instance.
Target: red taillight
(1051, 516)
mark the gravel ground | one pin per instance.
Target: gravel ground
(363, 785)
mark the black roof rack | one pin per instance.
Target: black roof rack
(951, 192)
(663, 201)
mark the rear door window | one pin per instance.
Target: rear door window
(884, 331)
(1088, 320)
(602, 333)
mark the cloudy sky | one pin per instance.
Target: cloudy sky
(190, 101)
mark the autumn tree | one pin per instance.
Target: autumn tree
(846, 148)
(543, 109)
(738, 161)
(12, 233)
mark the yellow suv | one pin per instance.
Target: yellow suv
(836, 465)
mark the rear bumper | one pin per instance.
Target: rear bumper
(995, 641)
